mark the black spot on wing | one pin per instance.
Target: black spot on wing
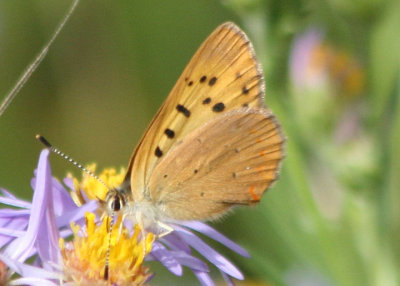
(170, 133)
(207, 100)
(158, 152)
(212, 81)
(203, 79)
(218, 107)
(183, 110)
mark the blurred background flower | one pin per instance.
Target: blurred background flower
(332, 78)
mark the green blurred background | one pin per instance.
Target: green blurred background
(334, 216)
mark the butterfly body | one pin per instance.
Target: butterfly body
(212, 145)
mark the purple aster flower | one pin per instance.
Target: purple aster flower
(34, 228)
(315, 64)
(174, 251)
(35, 231)
(308, 60)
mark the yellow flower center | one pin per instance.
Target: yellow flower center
(85, 257)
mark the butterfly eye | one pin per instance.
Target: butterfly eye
(115, 202)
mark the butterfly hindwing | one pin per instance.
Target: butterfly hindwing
(230, 160)
(223, 75)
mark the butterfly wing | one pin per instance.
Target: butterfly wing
(222, 75)
(230, 160)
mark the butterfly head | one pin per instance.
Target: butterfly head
(115, 201)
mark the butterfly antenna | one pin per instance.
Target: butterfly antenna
(68, 158)
(90, 173)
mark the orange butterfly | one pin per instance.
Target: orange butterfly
(212, 145)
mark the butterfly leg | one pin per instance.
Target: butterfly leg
(167, 229)
(139, 221)
(124, 216)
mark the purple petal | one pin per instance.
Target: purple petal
(12, 224)
(7, 232)
(190, 261)
(47, 238)
(26, 270)
(33, 282)
(21, 247)
(7, 193)
(12, 213)
(15, 202)
(76, 214)
(65, 233)
(160, 253)
(62, 199)
(227, 279)
(14, 219)
(16, 223)
(217, 236)
(175, 242)
(209, 253)
(69, 183)
(204, 278)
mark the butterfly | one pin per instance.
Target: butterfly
(212, 145)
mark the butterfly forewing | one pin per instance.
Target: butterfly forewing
(223, 75)
(230, 160)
